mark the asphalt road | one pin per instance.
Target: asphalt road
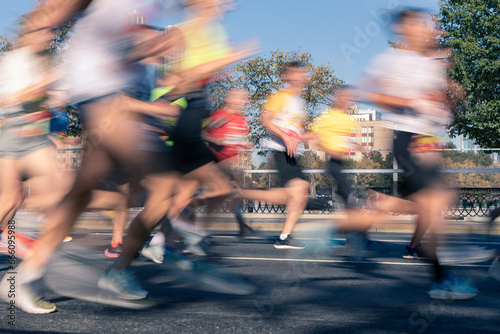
(382, 294)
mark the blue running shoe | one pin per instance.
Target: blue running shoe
(453, 288)
(123, 283)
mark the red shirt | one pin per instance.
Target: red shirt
(232, 128)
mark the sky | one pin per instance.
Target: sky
(343, 33)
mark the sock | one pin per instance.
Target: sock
(439, 273)
(158, 238)
(283, 236)
(115, 244)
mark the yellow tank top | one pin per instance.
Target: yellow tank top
(333, 129)
(205, 40)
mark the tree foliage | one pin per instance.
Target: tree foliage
(472, 31)
(60, 34)
(261, 77)
(457, 159)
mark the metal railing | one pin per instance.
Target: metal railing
(468, 202)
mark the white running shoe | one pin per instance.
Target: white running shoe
(468, 254)
(155, 253)
(12, 288)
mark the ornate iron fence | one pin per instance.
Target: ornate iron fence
(467, 202)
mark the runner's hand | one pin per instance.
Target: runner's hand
(291, 146)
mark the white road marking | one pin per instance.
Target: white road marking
(241, 258)
(378, 240)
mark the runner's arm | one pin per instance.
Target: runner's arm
(54, 13)
(155, 108)
(158, 46)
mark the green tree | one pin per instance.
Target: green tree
(60, 34)
(472, 31)
(266, 180)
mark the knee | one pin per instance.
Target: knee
(300, 187)
(298, 190)
(83, 197)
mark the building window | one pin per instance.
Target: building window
(353, 130)
(364, 139)
(363, 129)
(370, 139)
(370, 129)
(371, 148)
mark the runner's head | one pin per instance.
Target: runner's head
(412, 26)
(344, 97)
(236, 100)
(294, 74)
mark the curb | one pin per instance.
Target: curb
(274, 222)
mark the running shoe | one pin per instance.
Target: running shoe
(155, 253)
(467, 254)
(113, 252)
(67, 239)
(123, 283)
(453, 288)
(25, 298)
(288, 243)
(246, 231)
(415, 253)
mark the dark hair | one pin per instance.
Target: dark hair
(346, 86)
(405, 13)
(293, 63)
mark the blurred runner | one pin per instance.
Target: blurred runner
(103, 50)
(406, 84)
(331, 131)
(205, 50)
(283, 117)
(227, 134)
